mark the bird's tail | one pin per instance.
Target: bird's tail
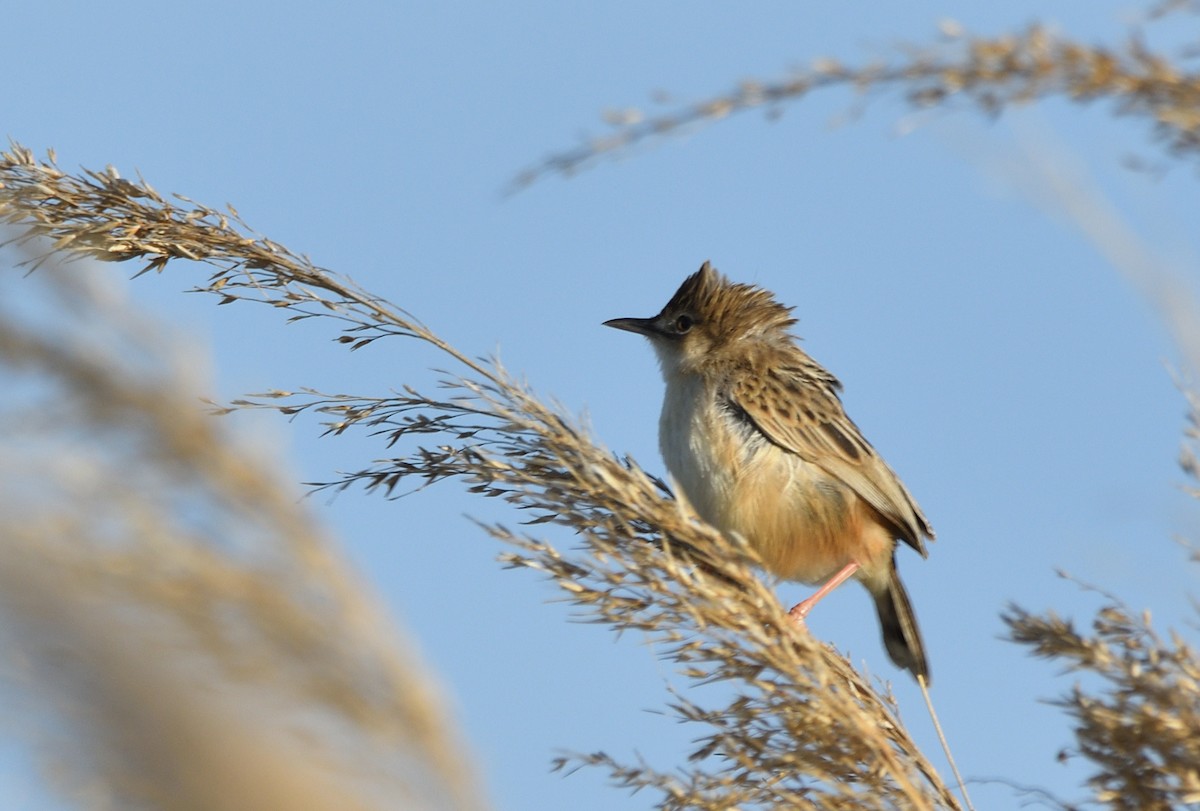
(899, 625)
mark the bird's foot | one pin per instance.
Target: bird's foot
(800, 610)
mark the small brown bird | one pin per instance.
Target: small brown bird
(754, 434)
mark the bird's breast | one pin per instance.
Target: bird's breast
(804, 523)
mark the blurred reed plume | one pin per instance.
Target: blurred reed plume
(980, 72)
(177, 633)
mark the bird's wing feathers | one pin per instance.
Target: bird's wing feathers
(797, 408)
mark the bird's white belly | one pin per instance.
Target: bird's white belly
(687, 438)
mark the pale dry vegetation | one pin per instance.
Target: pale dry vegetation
(801, 726)
(177, 632)
(961, 71)
(262, 602)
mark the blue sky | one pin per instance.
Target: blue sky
(1019, 384)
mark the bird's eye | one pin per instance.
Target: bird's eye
(683, 323)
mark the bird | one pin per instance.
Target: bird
(754, 433)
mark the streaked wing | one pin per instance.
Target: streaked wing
(797, 408)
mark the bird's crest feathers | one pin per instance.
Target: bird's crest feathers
(730, 310)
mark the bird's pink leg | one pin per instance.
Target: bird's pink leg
(801, 609)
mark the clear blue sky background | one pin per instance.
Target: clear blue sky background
(1016, 381)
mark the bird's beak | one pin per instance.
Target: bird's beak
(642, 326)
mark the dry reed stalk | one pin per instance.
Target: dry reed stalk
(802, 727)
(1139, 728)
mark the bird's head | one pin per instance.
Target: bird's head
(708, 318)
